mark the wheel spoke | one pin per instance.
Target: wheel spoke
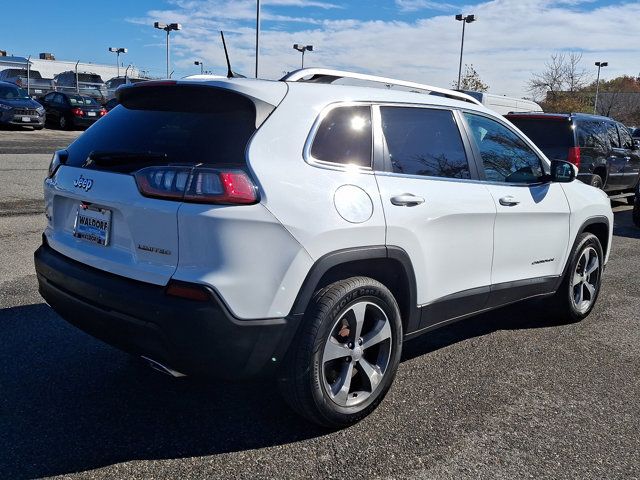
(342, 394)
(577, 278)
(334, 349)
(359, 310)
(593, 266)
(371, 372)
(591, 289)
(379, 334)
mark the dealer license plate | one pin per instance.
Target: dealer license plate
(92, 224)
(26, 119)
(91, 114)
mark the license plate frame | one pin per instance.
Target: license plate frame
(26, 119)
(93, 224)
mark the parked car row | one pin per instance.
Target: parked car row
(83, 83)
(59, 109)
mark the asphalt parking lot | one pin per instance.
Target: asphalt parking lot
(514, 393)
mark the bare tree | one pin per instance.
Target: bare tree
(471, 80)
(551, 79)
(575, 76)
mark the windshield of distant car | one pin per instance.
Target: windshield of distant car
(76, 100)
(12, 93)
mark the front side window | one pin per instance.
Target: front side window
(612, 133)
(625, 137)
(592, 134)
(422, 141)
(505, 156)
(344, 136)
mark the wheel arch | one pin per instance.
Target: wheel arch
(389, 265)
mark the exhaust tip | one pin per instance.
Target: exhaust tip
(162, 368)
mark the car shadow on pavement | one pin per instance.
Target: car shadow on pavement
(623, 225)
(69, 403)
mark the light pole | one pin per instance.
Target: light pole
(595, 103)
(303, 48)
(118, 51)
(464, 19)
(198, 62)
(257, 34)
(167, 28)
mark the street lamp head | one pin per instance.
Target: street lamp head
(309, 48)
(602, 64)
(459, 17)
(470, 18)
(113, 49)
(175, 26)
(197, 63)
(159, 25)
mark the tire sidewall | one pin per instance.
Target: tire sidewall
(346, 415)
(589, 240)
(597, 182)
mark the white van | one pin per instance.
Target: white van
(503, 104)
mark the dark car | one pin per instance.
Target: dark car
(113, 83)
(88, 84)
(111, 104)
(31, 81)
(67, 110)
(602, 149)
(17, 108)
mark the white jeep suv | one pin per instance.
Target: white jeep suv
(236, 227)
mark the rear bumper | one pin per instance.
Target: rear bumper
(192, 337)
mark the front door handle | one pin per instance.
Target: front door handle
(406, 200)
(627, 158)
(508, 201)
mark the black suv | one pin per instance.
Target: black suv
(602, 149)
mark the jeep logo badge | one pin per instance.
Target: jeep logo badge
(84, 183)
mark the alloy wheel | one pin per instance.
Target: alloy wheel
(586, 280)
(356, 354)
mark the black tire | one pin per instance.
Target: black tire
(564, 299)
(636, 212)
(596, 181)
(64, 123)
(38, 128)
(303, 381)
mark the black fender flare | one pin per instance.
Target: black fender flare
(344, 256)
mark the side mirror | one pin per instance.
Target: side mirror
(636, 144)
(562, 172)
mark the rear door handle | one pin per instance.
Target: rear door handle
(508, 201)
(406, 200)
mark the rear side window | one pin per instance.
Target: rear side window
(344, 137)
(421, 141)
(546, 133)
(592, 134)
(169, 124)
(505, 156)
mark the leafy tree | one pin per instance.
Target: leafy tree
(471, 80)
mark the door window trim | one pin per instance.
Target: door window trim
(477, 156)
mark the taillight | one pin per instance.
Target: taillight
(574, 156)
(19, 82)
(199, 185)
(77, 112)
(103, 112)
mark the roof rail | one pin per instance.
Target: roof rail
(326, 75)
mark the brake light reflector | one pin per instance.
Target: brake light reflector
(190, 292)
(574, 156)
(196, 184)
(77, 112)
(103, 112)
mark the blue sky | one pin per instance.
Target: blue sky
(413, 39)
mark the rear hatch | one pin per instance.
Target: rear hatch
(553, 135)
(113, 202)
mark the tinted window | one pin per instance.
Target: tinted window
(344, 136)
(592, 134)
(505, 156)
(612, 133)
(182, 124)
(625, 137)
(423, 141)
(553, 136)
(76, 100)
(89, 78)
(12, 92)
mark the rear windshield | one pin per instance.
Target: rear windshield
(169, 124)
(551, 136)
(23, 73)
(85, 77)
(78, 100)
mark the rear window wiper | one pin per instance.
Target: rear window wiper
(125, 162)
